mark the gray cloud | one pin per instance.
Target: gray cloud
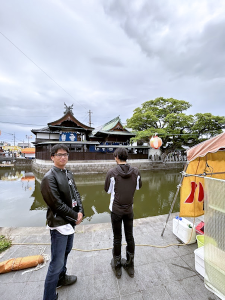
(173, 33)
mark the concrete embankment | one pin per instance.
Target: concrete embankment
(102, 166)
(161, 272)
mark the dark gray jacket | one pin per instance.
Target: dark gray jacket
(58, 196)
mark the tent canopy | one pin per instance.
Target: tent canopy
(212, 145)
(204, 159)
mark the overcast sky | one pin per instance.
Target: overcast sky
(108, 57)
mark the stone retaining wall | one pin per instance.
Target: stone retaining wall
(23, 162)
(81, 167)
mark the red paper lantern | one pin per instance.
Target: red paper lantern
(155, 142)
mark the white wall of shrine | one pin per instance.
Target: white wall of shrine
(47, 136)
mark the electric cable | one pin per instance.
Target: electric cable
(21, 123)
(139, 245)
(92, 250)
(41, 69)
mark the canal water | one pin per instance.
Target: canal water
(22, 204)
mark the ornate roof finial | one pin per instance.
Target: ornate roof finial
(68, 109)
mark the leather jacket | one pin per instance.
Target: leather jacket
(58, 196)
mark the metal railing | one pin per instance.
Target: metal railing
(168, 157)
(89, 156)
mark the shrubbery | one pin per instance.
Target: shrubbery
(5, 243)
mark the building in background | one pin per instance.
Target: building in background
(111, 135)
(23, 145)
(85, 142)
(28, 153)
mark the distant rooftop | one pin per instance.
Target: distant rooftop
(114, 127)
(111, 124)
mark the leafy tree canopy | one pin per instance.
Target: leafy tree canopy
(166, 117)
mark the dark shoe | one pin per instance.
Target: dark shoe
(128, 264)
(116, 266)
(66, 280)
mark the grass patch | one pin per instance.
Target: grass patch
(5, 243)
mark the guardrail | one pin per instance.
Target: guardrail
(98, 156)
(168, 158)
(89, 156)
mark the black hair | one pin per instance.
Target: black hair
(56, 147)
(121, 153)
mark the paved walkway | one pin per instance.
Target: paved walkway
(160, 273)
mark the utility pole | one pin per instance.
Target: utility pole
(14, 137)
(28, 137)
(89, 112)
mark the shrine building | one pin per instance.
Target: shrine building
(85, 142)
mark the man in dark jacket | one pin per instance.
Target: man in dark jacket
(121, 182)
(65, 210)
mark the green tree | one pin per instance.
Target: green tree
(166, 117)
(207, 125)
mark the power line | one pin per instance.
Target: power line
(84, 119)
(21, 123)
(41, 69)
(12, 138)
(20, 116)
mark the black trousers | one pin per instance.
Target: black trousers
(116, 221)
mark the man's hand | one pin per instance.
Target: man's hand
(79, 218)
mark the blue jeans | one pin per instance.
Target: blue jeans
(116, 221)
(61, 246)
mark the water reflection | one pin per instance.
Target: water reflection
(10, 176)
(22, 203)
(16, 199)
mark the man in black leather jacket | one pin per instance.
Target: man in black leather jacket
(65, 210)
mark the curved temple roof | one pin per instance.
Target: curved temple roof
(113, 127)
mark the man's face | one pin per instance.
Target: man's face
(60, 159)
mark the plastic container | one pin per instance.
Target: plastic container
(184, 230)
(200, 228)
(199, 261)
(200, 240)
